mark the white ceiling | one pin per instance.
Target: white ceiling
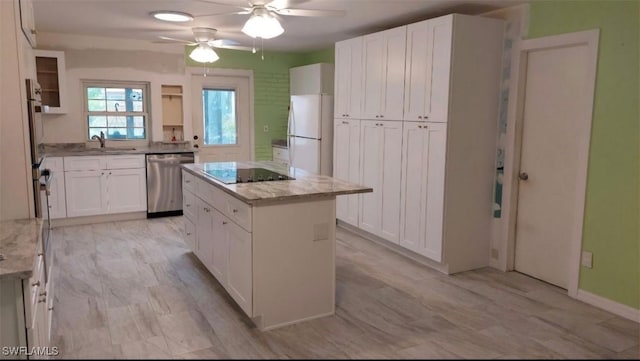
(130, 18)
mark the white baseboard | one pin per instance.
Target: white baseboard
(614, 307)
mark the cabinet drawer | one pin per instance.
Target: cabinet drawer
(125, 161)
(280, 154)
(33, 288)
(238, 211)
(208, 193)
(188, 181)
(190, 233)
(84, 163)
(189, 205)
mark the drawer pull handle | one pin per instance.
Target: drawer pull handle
(188, 205)
(224, 222)
(235, 211)
(188, 233)
(43, 293)
(50, 308)
(36, 284)
(187, 181)
(43, 300)
(207, 210)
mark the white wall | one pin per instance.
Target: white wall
(16, 64)
(99, 58)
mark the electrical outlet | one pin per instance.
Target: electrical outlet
(266, 128)
(587, 259)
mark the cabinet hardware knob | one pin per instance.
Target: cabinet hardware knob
(235, 211)
(348, 115)
(50, 308)
(523, 176)
(102, 173)
(40, 253)
(36, 284)
(345, 122)
(419, 116)
(188, 234)
(188, 205)
(420, 126)
(109, 173)
(224, 222)
(207, 210)
(43, 293)
(43, 300)
(382, 116)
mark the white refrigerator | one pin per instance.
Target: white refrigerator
(310, 133)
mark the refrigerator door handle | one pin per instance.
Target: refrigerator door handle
(290, 133)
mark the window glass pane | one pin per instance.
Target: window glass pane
(138, 122)
(219, 113)
(135, 94)
(138, 133)
(117, 121)
(116, 106)
(97, 106)
(136, 106)
(115, 93)
(96, 131)
(97, 121)
(95, 93)
(117, 133)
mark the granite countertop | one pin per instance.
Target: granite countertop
(75, 149)
(305, 185)
(18, 241)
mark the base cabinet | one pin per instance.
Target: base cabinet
(57, 198)
(276, 261)
(105, 184)
(346, 165)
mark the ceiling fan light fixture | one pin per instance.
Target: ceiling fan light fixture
(262, 25)
(204, 54)
(174, 16)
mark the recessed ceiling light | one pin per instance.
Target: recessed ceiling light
(174, 16)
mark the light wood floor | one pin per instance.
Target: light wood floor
(134, 290)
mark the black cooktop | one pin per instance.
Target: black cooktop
(246, 175)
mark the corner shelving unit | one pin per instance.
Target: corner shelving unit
(172, 114)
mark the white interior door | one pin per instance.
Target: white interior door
(221, 118)
(554, 105)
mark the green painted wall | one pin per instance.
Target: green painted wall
(271, 87)
(612, 215)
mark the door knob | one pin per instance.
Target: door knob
(523, 176)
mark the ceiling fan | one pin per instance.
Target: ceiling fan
(206, 41)
(263, 21)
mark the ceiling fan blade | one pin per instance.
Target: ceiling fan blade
(168, 39)
(284, 4)
(309, 12)
(234, 47)
(218, 43)
(217, 3)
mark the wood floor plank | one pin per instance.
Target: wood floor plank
(134, 290)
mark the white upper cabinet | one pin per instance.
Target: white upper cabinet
(348, 78)
(383, 80)
(427, 70)
(346, 160)
(51, 72)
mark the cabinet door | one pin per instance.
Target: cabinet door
(383, 80)
(220, 256)
(422, 199)
(86, 193)
(418, 70)
(346, 166)
(127, 190)
(51, 74)
(381, 148)
(373, 47)
(239, 276)
(348, 78)
(190, 233)
(442, 29)
(204, 233)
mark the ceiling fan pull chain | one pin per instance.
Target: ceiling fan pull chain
(204, 70)
(262, 47)
(254, 46)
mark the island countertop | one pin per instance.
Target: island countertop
(305, 184)
(18, 242)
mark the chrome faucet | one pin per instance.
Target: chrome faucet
(100, 138)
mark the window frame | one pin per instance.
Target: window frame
(146, 106)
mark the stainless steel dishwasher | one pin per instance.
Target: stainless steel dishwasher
(164, 183)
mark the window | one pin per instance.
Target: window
(120, 110)
(219, 113)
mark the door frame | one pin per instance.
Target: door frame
(247, 73)
(507, 231)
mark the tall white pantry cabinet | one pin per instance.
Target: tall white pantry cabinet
(431, 163)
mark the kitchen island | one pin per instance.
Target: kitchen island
(268, 239)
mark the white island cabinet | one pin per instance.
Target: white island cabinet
(271, 245)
